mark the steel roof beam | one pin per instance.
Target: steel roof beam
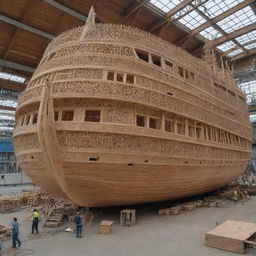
(245, 54)
(134, 7)
(169, 15)
(26, 27)
(66, 9)
(7, 108)
(215, 20)
(14, 65)
(233, 34)
(12, 85)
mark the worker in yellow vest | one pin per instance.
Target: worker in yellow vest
(35, 221)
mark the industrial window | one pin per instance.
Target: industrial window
(28, 119)
(119, 77)
(140, 120)
(156, 60)
(56, 115)
(153, 123)
(111, 76)
(142, 55)
(67, 115)
(192, 75)
(92, 116)
(169, 126)
(34, 121)
(130, 79)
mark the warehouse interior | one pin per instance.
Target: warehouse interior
(28, 26)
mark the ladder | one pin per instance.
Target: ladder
(54, 218)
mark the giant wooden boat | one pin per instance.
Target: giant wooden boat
(116, 116)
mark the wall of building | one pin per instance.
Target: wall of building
(19, 178)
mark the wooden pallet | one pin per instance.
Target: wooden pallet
(54, 218)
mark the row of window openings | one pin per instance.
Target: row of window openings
(200, 132)
(182, 71)
(120, 77)
(67, 115)
(158, 61)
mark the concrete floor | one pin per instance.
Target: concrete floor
(152, 235)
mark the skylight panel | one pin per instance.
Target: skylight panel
(8, 103)
(12, 77)
(210, 33)
(238, 20)
(226, 46)
(165, 5)
(246, 37)
(214, 8)
(235, 52)
(192, 20)
(250, 46)
(250, 90)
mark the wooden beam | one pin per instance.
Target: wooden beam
(234, 34)
(7, 108)
(235, 48)
(18, 66)
(245, 54)
(11, 85)
(134, 7)
(215, 20)
(66, 9)
(26, 27)
(169, 15)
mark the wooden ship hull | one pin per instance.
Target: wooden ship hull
(116, 116)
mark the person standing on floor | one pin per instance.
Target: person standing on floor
(35, 221)
(79, 225)
(15, 233)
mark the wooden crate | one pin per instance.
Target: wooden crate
(231, 236)
(128, 217)
(106, 227)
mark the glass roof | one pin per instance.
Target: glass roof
(247, 37)
(211, 9)
(226, 46)
(192, 20)
(250, 46)
(165, 5)
(238, 20)
(210, 33)
(12, 77)
(250, 90)
(8, 103)
(235, 52)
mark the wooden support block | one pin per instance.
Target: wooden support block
(164, 211)
(106, 227)
(199, 203)
(231, 236)
(175, 210)
(188, 206)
